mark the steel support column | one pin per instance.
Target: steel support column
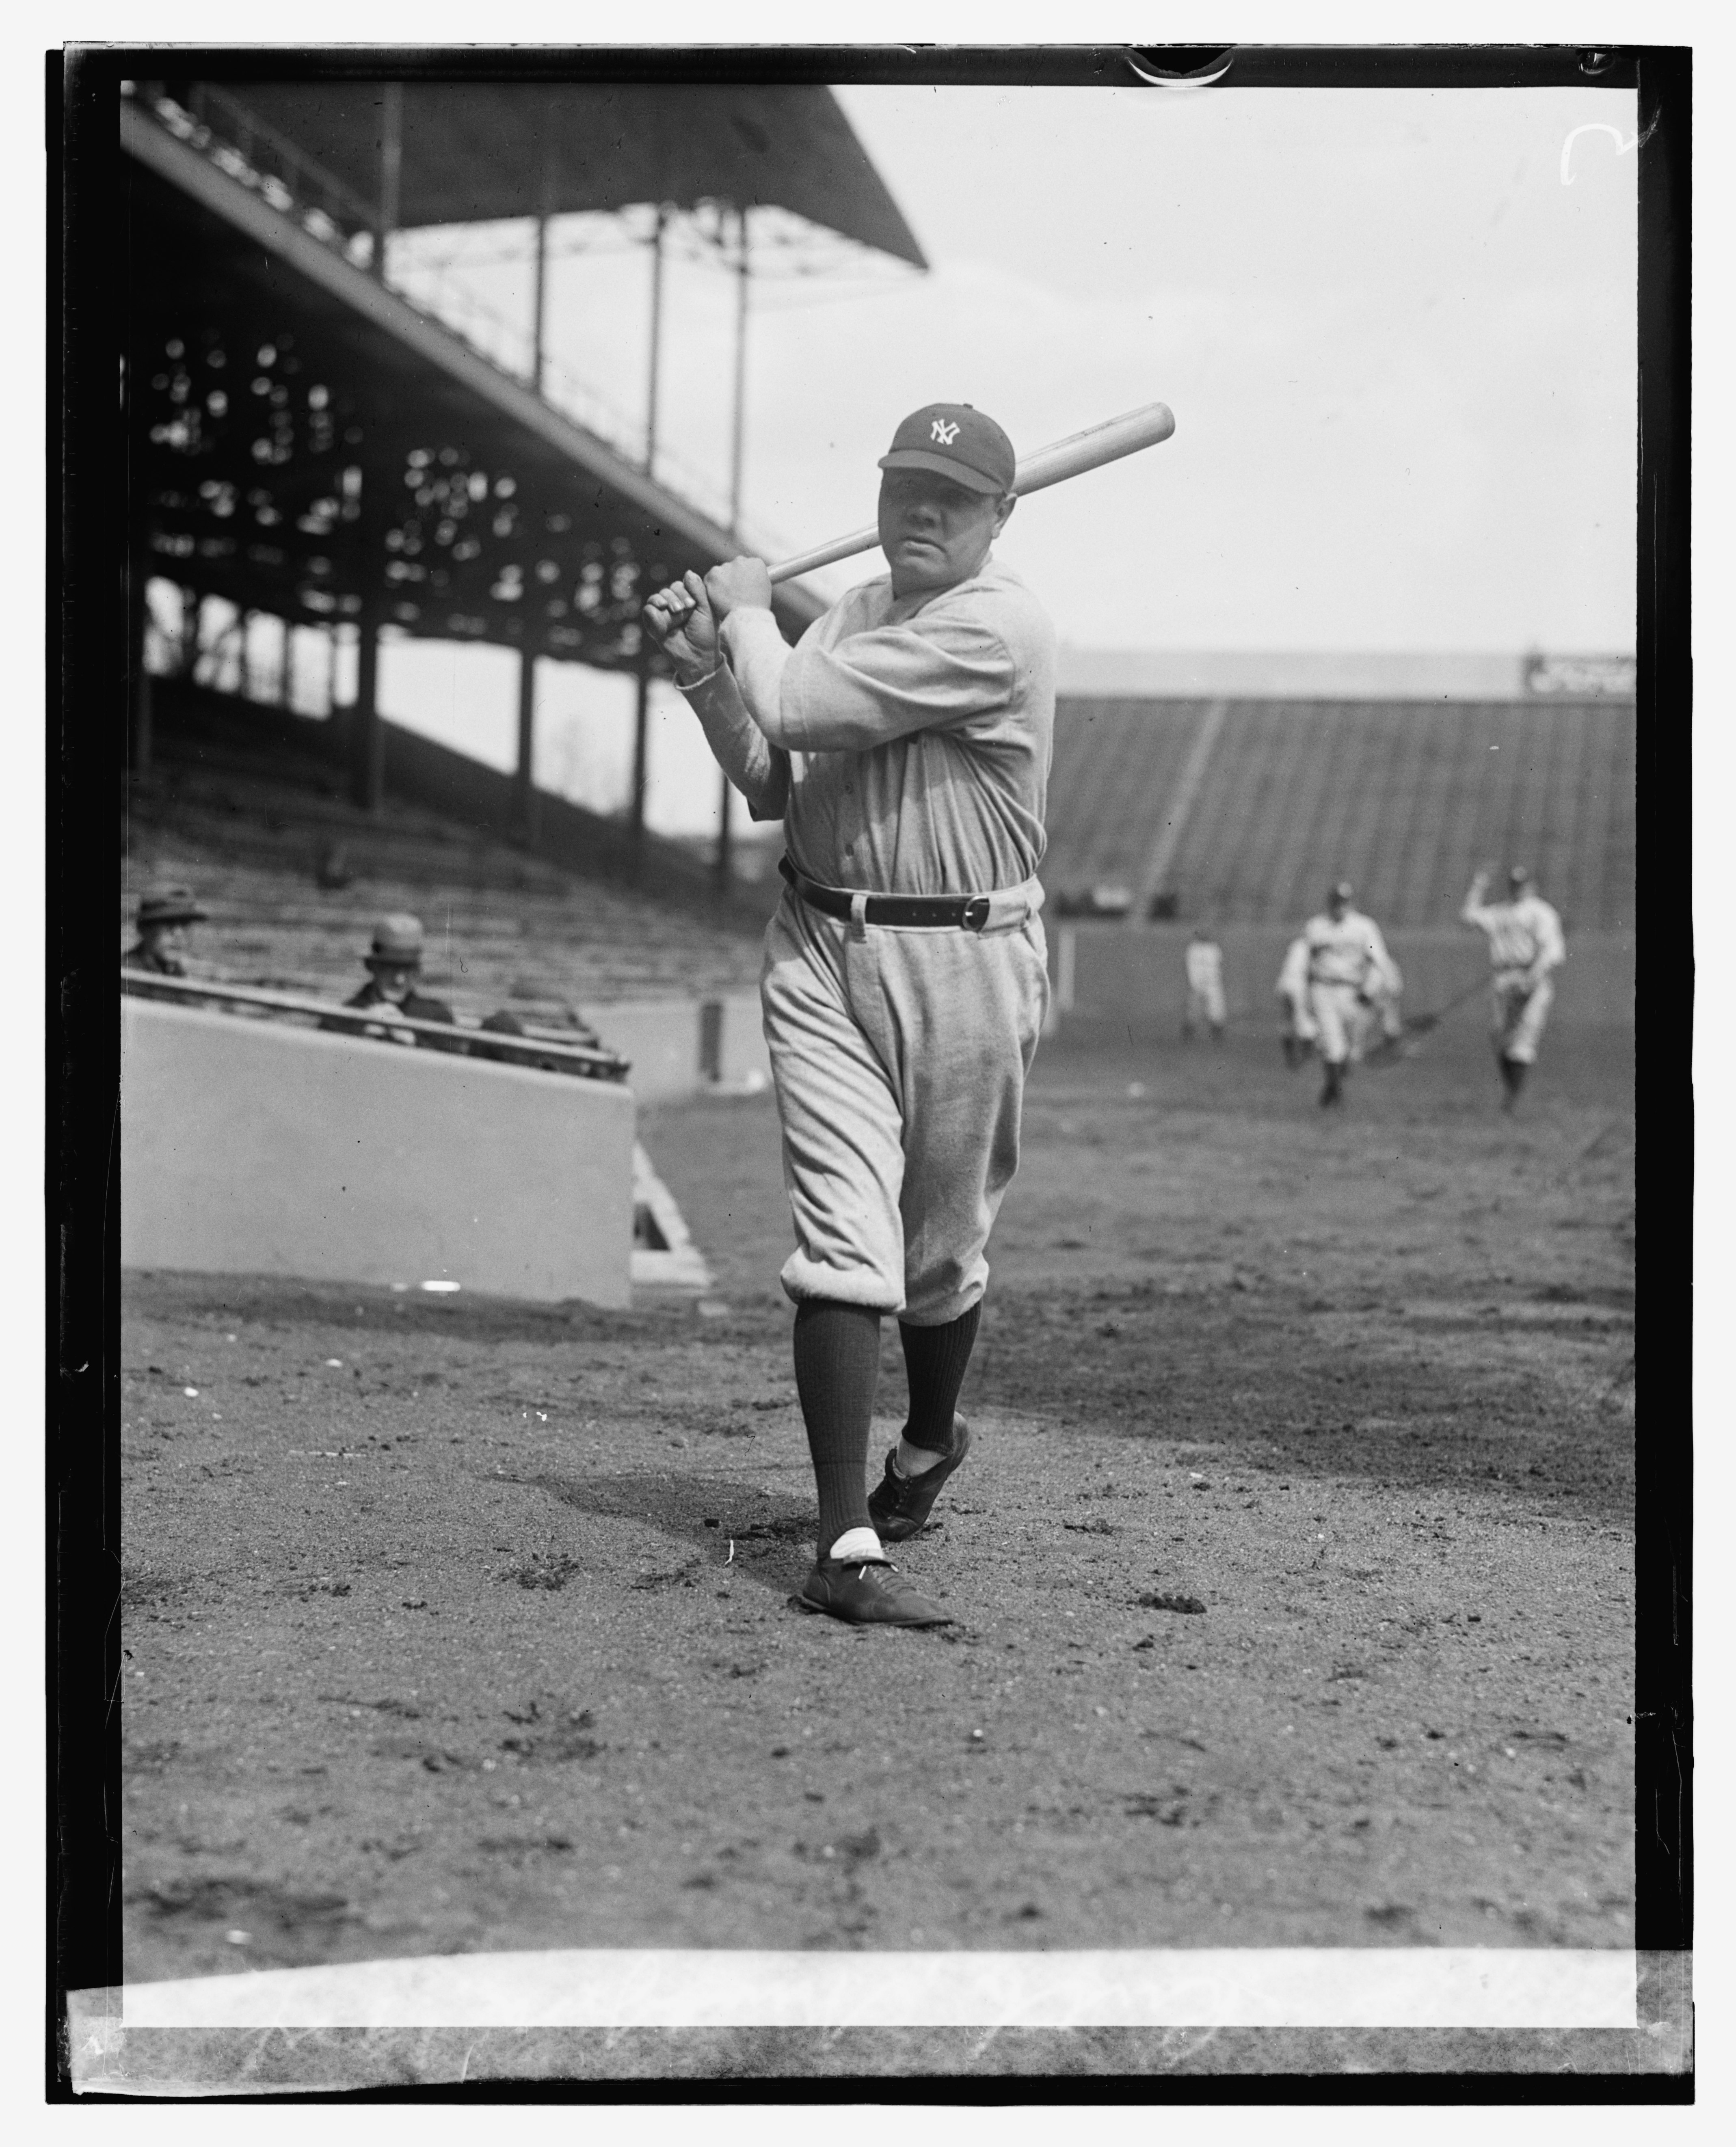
(641, 742)
(367, 735)
(655, 370)
(525, 815)
(539, 292)
(392, 160)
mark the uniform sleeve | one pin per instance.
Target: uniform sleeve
(869, 687)
(1381, 964)
(1293, 977)
(1475, 910)
(758, 769)
(1552, 949)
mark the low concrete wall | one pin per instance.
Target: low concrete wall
(251, 1147)
(1131, 975)
(677, 1050)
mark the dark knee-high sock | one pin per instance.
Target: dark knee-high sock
(837, 1368)
(935, 1360)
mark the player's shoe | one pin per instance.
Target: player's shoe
(867, 1592)
(898, 1505)
(1512, 1080)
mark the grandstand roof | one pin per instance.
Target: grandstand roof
(476, 151)
(1244, 811)
(299, 428)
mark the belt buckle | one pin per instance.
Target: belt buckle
(976, 913)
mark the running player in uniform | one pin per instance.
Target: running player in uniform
(1204, 964)
(1300, 1035)
(1347, 966)
(905, 743)
(1386, 995)
(1525, 944)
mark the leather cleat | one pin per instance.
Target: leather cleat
(898, 1505)
(865, 1591)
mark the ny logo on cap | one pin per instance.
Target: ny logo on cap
(942, 431)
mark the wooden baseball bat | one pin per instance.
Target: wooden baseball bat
(1106, 442)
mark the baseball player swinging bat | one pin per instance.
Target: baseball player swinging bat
(904, 742)
(1147, 427)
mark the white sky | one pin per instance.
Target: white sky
(1399, 350)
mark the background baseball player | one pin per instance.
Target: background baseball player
(1300, 1035)
(1203, 961)
(1525, 945)
(1384, 1012)
(1347, 964)
(906, 741)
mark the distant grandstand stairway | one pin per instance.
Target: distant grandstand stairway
(1244, 811)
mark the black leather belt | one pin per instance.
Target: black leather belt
(963, 912)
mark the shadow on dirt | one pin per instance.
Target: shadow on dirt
(721, 1522)
(1256, 1372)
(296, 1927)
(279, 1301)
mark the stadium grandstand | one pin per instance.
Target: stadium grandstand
(328, 446)
(335, 450)
(1234, 789)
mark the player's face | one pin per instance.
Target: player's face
(933, 532)
(394, 983)
(165, 938)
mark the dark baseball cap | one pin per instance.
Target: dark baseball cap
(957, 442)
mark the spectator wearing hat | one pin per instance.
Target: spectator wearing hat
(394, 963)
(1349, 971)
(165, 916)
(1525, 945)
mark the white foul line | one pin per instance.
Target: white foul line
(1380, 1987)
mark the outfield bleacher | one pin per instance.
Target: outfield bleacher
(1404, 798)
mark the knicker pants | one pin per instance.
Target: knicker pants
(899, 1060)
(1342, 1019)
(1519, 1012)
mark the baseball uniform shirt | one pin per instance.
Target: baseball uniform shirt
(907, 742)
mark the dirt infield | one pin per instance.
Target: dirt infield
(1292, 1568)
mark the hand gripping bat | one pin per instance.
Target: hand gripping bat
(1097, 444)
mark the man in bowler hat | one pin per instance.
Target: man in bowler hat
(393, 962)
(165, 917)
